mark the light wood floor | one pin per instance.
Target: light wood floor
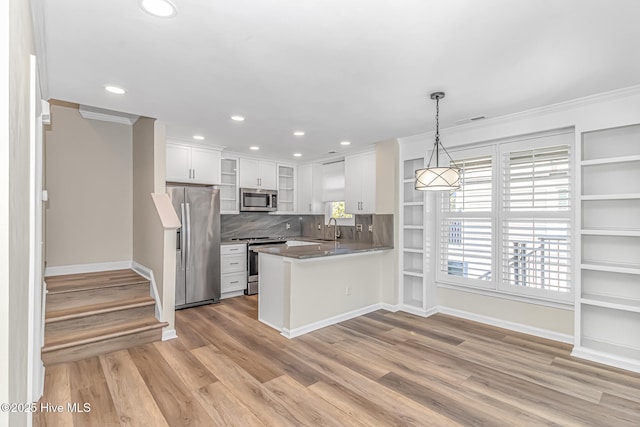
(382, 369)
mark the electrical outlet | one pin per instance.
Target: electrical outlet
(371, 228)
(289, 226)
(358, 227)
(347, 291)
(319, 226)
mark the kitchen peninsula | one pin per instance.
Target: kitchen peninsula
(307, 285)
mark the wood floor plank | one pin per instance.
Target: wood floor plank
(185, 364)
(307, 405)
(89, 386)
(133, 400)
(175, 401)
(224, 408)
(388, 399)
(56, 381)
(260, 368)
(264, 404)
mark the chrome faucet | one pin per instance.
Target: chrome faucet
(336, 233)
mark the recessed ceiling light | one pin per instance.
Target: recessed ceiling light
(345, 143)
(297, 154)
(237, 118)
(159, 8)
(198, 137)
(254, 147)
(298, 133)
(115, 89)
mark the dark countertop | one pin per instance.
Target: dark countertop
(318, 249)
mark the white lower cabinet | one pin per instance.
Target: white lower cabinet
(233, 268)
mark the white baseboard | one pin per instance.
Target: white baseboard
(390, 307)
(328, 322)
(513, 326)
(147, 273)
(86, 268)
(418, 311)
(606, 358)
(168, 334)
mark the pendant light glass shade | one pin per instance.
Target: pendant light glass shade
(438, 178)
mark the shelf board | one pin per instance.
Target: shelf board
(285, 189)
(610, 232)
(285, 176)
(615, 303)
(228, 173)
(407, 180)
(611, 268)
(227, 184)
(624, 196)
(227, 200)
(414, 227)
(413, 250)
(413, 272)
(610, 160)
(413, 204)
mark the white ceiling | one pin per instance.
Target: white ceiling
(357, 70)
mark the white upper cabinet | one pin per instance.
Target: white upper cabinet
(194, 165)
(360, 183)
(257, 174)
(310, 188)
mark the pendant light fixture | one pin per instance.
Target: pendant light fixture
(438, 178)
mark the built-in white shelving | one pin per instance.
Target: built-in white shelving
(286, 190)
(413, 257)
(608, 297)
(229, 191)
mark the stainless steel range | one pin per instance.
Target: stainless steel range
(252, 259)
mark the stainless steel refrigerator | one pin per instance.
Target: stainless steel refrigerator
(198, 245)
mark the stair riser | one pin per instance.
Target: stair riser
(97, 320)
(60, 301)
(84, 351)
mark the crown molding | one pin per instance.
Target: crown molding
(195, 143)
(94, 113)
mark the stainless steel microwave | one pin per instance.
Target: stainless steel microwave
(258, 200)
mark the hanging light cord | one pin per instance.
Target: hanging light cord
(437, 142)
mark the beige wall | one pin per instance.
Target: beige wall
(387, 202)
(89, 180)
(533, 315)
(153, 246)
(15, 26)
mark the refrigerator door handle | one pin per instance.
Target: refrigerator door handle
(188, 231)
(183, 236)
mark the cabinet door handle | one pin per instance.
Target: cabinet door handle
(235, 281)
(309, 207)
(233, 263)
(194, 174)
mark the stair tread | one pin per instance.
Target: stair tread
(92, 309)
(86, 281)
(60, 341)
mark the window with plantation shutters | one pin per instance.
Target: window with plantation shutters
(536, 218)
(508, 227)
(465, 233)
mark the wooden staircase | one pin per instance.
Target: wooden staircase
(95, 313)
